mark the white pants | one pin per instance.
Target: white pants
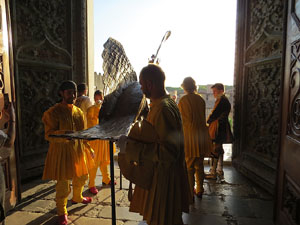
(216, 165)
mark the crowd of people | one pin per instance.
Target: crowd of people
(185, 139)
(71, 159)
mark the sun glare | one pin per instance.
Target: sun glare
(201, 44)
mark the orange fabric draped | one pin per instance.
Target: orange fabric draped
(169, 194)
(197, 141)
(100, 147)
(65, 158)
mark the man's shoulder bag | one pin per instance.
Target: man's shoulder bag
(138, 162)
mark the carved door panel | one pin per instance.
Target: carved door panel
(7, 156)
(49, 43)
(258, 73)
(288, 191)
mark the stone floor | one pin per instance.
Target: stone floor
(235, 202)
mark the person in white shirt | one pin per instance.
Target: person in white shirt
(83, 101)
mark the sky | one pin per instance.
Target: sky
(201, 45)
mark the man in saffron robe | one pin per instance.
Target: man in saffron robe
(197, 142)
(66, 159)
(169, 194)
(219, 130)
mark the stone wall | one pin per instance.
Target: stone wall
(98, 80)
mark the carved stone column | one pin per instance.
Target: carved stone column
(49, 47)
(257, 83)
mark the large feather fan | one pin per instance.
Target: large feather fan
(123, 102)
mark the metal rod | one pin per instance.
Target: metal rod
(165, 37)
(112, 184)
(120, 180)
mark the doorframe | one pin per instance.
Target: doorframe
(284, 38)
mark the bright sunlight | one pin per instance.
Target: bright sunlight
(201, 45)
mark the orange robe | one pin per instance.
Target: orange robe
(169, 194)
(65, 158)
(101, 147)
(197, 141)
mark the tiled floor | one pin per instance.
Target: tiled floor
(235, 202)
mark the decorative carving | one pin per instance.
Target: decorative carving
(49, 47)
(258, 81)
(263, 59)
(83, 40)
(294, 13)
(293, 128)
(40, 89)
(45, 51)
(264, 48)
(43, 36)
(266, 17)
(291, 201)
(39, 18)
(262, 129)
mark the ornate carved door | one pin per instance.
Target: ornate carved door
(7, 156)
(258, 73)
(49, 43)
(288, 188)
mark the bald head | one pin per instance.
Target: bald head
(152, 80)
(154, 74)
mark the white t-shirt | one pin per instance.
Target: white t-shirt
(84, 102)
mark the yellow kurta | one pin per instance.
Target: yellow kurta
(65, 158)
(100, 147)
(169, 194)
(197, 141)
